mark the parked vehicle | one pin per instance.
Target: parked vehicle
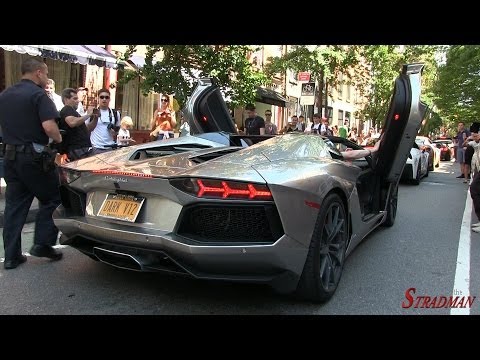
(424, 143)
(417, 165)
(446, 148)
(283, 210)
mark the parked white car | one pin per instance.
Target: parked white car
(417, 165)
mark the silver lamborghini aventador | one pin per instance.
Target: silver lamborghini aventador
(283, 210)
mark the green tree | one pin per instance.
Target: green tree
(179, 65)
(457, 88)
(385, 62)
(324, 62)
(382, 64)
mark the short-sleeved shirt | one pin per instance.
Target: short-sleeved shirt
(270, 129)
(253, 125)
(343, 131)
(100, 136)
(23, 108)
(460, 139)
(76, 137)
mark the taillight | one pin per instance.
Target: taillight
(223, 189)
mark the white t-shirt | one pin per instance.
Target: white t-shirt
(57, 100)
(81, 109)
(123, 136)
(100, 136)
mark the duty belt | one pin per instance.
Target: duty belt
(18, 148)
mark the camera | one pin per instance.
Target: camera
(110, 126)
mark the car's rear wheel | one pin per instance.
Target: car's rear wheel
(324, 265)
(392, 206)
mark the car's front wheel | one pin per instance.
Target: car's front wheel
(392, 206)
(324, 265)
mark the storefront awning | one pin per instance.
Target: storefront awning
(138, 61)
(77, 54)
(271, 97)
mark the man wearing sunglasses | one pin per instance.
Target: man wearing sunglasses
(104, 134)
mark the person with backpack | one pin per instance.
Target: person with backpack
(324, 128)
(104, 136)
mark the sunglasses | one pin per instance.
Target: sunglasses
(104, 97)
(164, 100)
(268, 114)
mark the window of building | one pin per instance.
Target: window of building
(348, 116)
(349, 92)
(340, 117)
(340, 86)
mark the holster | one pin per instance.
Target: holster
(45, 156)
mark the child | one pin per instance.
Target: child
(123, 137)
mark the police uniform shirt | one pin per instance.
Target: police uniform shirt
(76, 137)
(23, 108)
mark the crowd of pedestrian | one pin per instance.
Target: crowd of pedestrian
(36, 121)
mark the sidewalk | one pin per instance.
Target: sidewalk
(31, 214)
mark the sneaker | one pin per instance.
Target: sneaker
(476, 229)
(476, 224)
(460, 176)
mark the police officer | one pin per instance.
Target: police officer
(28, 117)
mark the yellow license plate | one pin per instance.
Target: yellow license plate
(121, 207)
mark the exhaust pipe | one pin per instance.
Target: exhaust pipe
(117, 259)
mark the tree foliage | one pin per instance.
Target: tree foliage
(172, 69)
(457, 88)
(371, 69)
(385, 62)
(323, 62)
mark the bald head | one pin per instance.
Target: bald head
(35, 70)
(31, 65)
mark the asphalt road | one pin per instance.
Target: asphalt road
(419, 251)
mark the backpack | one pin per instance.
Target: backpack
(114, 126)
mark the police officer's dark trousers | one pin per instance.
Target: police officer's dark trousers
(25, 180)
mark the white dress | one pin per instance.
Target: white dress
(476, 156)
